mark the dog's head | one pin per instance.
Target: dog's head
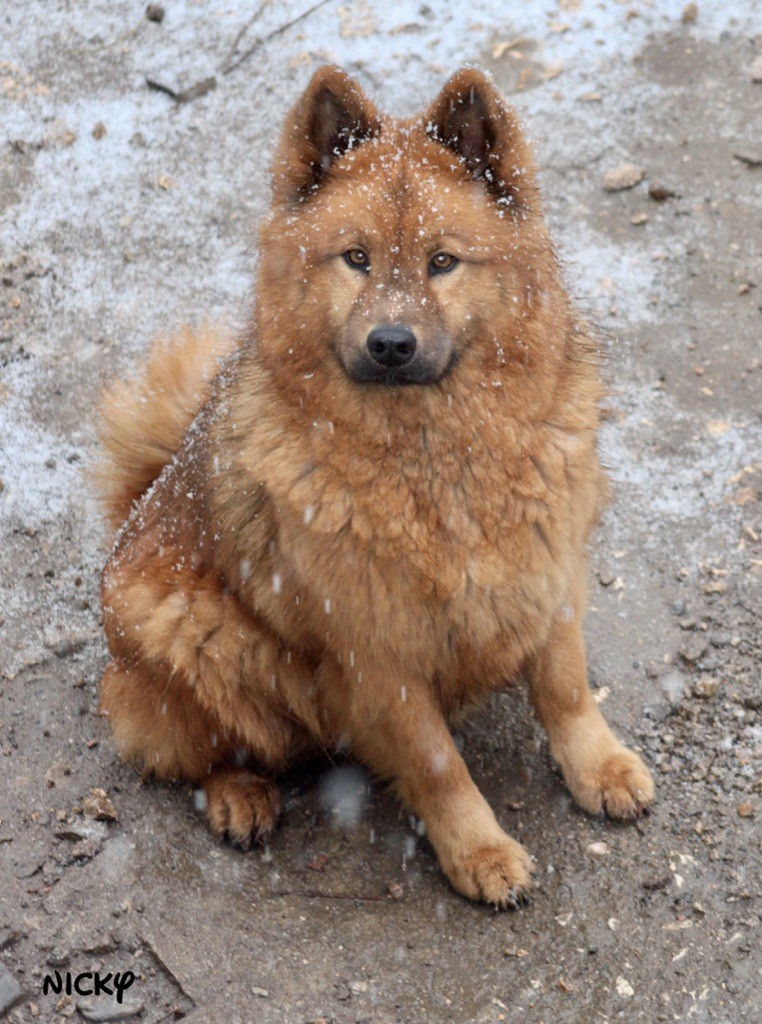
(401, 251)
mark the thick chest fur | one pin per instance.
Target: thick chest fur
(454, 560)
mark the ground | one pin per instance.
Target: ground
(124, 211)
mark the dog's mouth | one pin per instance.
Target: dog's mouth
(419, 372)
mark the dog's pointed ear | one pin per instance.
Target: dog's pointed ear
(470, 117)
(331, 117)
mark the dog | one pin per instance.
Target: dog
(346, 528)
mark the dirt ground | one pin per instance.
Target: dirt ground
(124, 211)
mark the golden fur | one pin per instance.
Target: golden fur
(313, 561)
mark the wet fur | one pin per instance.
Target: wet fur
(314, 563)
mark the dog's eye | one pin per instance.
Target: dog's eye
(358, 259)
(442, 262)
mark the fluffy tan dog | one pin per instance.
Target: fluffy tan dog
(371, 513)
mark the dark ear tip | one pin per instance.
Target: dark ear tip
(328, 72)
(468, 77)
(331, 79)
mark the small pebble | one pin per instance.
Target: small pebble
(10, 990)
(623, 177)
(98, 806)
(660, 193)
(690, 13)
(706, 687)
(598, 849)
(624, 988)
(109, 1009)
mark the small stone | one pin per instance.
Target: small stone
(109, 1009)
(395, 890)
(694, 651)
(752, 158)
(745, 809)
(690, 13)
(29, 868)
(63, 644)
(66, 1006)
(598, 849)
(623, 177)
(719, 639)
(9, 937)
(657, 883)
(81, 830)
(659, 192)
(605, 578)
(706, 687)
(715, 587)
(155, 12)
(85, 850)
(624, 988)
(10, 991)
(657, 712)
(99, 807)
(263, 993)
(756, 69)
(99, 131)
(342, 991)
(639, 218)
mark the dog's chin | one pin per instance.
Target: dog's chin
(416, 373)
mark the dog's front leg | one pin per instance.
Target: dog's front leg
(602, 774)
(397, 730)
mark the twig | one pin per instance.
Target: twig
(186, 95)
(243, 30)
(318, 894)
(231, 65)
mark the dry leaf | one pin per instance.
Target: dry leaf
(716, 428)
(744, 496)
(719, 587)
(500, 49)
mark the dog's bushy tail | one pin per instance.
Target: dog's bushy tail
(142, 420)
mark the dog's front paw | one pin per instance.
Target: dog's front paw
(620, 787)
(497, 874)
(241, 804)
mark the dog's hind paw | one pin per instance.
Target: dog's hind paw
(241, 804)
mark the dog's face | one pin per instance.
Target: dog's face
(399, 251)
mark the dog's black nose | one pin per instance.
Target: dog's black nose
(391, 346)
